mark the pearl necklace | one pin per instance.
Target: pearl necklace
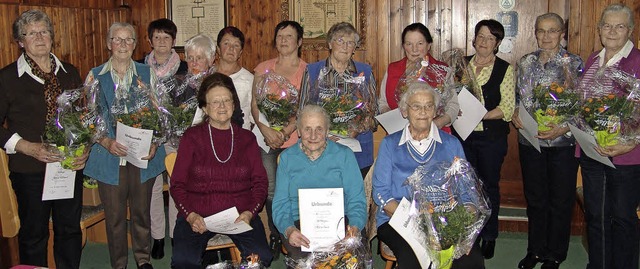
(214, 149)
(428, 159)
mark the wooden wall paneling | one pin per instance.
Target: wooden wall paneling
(446, 31)
(420, 11)
(396, 25)
(458, 25)
(434, 25)
(379, 46)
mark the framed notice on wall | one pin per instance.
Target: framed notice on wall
(317, 16)
(197, 16)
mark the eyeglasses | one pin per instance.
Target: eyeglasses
(617, 27)
(128, 40)
(341, 41)
(419, 107)
(196, 58)
(486, 38)
(549, 32)
(43, 33)
(220, 103)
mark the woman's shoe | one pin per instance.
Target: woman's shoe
(157, 251)
(529, 261)
(550, 264)
(488, 248)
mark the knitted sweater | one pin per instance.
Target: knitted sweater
(202, 184)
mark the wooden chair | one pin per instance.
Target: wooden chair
(384, 251)
(219, 241)
(8, 205)
(387, 255)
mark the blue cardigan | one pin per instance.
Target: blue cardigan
(336, 168)
(394, 165)
(102, 165)
(364, 158)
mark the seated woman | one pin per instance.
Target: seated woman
(218, 167)
(315, 162)
(419, 143)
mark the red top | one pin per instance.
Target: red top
(202, 184)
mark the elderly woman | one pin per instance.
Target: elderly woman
(166, 63)
(315, 162)
(120, 183)
(287, 41)
(611, 195)
(29, 88)
(400, 153)
(218, 167)
(549, 176)
(230, 44)
(416, 43)
(339, 67)
(486, 147)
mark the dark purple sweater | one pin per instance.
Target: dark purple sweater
(202, 184)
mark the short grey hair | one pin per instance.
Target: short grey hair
(201, 42)
(618, 7)
(121, 25)
(418, 87)
(552, 16)
(313, 109)
(342, 29)
(29, 17)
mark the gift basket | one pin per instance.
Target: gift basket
(277, 99)
(610, 107)
(351, 106)
(73, 129)
(549, 93)
(348, 253)
(434, 74)
(178, 96)
(451, 208)
(137, 106)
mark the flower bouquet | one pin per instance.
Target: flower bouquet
(351, 107)
(461, 75)
(548, 92)
(138, 107)
(74, 128)
(434, 74)
(348, 253)
(451, 209)
(277, 99)
(177, 95)
(610, 107)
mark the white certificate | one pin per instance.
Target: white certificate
(409, 229)
(392, 121)
(588, 144)
(58, 182)
(224, 222)
(321, 217)
(351, 143)
(529, 128)
(472, 112)
(137, 141)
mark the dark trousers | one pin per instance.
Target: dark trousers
(611, 197)
(115, 198)
(486, 155)
(407, 259)
(34, 222)
(189, 246)
(549, 179)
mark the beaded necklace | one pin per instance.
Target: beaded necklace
(214, 149)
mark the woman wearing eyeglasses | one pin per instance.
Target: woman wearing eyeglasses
(29, 88)
(486, 147)
(611, 194)
(123, 184)
(549, 176)
(334, 72)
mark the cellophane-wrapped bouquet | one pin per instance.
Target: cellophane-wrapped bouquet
(549, 94)
(178, 96)
(251, 262)
(431, 73)
(451, 208)
(74, 127)
(348, 253)
(610, 107)
(351, 107)
(461, 76)
(277, 99)
(138, 107)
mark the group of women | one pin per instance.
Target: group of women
(219, 164)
